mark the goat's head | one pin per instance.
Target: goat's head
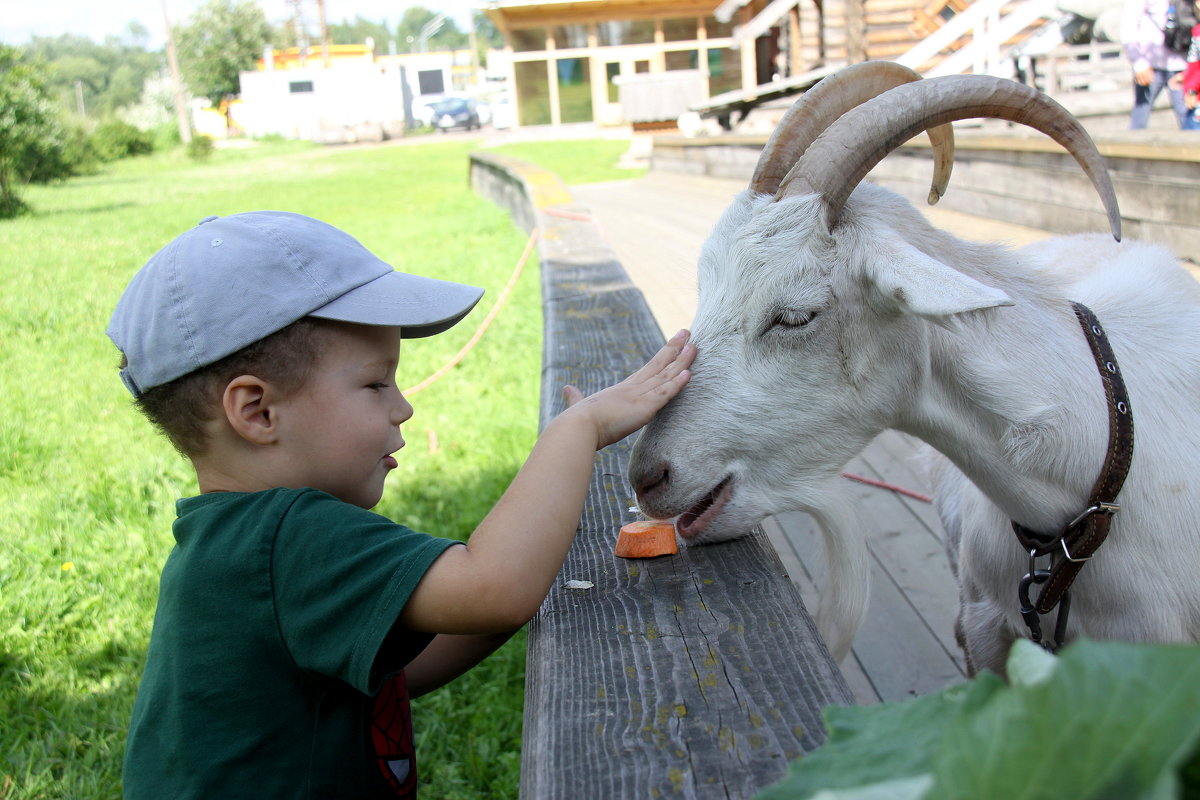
(816, 297)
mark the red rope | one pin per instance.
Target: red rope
(924, 498)
(578, 216)
(558, 212)
(483, 326)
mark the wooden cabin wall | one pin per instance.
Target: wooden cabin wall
(889, 28)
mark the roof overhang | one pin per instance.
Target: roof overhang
(507, 14)
(763, 21)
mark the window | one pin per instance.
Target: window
(574, 89)
(568, 36)
(430, 81)
(717, 30)
(611, 70)
(525, 40)
(629, 31)
(724, 70)
(682, 59)
(299, 87)
(680, 30)
(533, 93)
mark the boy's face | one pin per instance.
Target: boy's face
(340, 429)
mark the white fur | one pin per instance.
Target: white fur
(972, 348)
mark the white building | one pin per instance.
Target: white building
(351, 96)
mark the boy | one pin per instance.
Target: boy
(293, 623)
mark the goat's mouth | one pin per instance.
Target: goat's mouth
(693, 521)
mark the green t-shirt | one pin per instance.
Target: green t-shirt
(275, 662)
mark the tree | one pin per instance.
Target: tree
(220, 40)
(28, 125)
(96, 79)
(487, 35)
(357, 31)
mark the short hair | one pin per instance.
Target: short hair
(181, 408)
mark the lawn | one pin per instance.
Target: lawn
(89, 489)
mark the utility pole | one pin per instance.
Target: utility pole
(474, 45)
(324, 33)
(299, 29)
(181, 115)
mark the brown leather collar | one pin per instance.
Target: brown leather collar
(1081, 538)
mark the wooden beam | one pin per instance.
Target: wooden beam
(578, 13)
(856, 31)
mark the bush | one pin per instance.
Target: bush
(166, 136)
(200, 148)
(63, 150)
(12, 206)
(116, 139)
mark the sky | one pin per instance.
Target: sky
(22, 19)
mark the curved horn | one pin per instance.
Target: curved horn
(860, 138)
(823, 104)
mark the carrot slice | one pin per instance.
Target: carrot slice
(647, 539)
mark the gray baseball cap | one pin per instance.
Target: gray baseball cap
(231, 281)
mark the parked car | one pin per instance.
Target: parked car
(455, 112)
(423, 111)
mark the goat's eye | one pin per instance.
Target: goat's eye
(793, 318)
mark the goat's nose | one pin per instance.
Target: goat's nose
(649, 478)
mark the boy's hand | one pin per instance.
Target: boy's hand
(621, 409)
(497, 582)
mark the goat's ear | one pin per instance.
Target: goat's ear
(915, 283)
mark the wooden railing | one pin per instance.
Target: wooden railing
(979, 37)
(698, 675)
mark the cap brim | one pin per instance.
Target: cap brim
(418, 305)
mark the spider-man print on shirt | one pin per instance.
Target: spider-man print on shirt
(392, 737)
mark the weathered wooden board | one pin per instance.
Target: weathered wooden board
(906, 644)
(686, 676)
(699, 675)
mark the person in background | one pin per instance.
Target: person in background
(1189, 81)
(1154, 64)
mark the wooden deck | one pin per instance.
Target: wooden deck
(655, 226)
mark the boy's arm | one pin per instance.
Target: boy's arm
(498, 580)
(449, 656)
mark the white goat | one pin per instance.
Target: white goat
(830, 311)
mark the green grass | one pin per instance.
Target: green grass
(580, 161)
(88, 489)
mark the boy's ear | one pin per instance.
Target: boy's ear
(246, 402)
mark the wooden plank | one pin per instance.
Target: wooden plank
(910, 569)
(699, 675)
(701, 672)
(910, 547)
(906, 645)
(894, 648)
(856, 678)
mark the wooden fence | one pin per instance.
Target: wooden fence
(699, 675)
(1015, 175)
